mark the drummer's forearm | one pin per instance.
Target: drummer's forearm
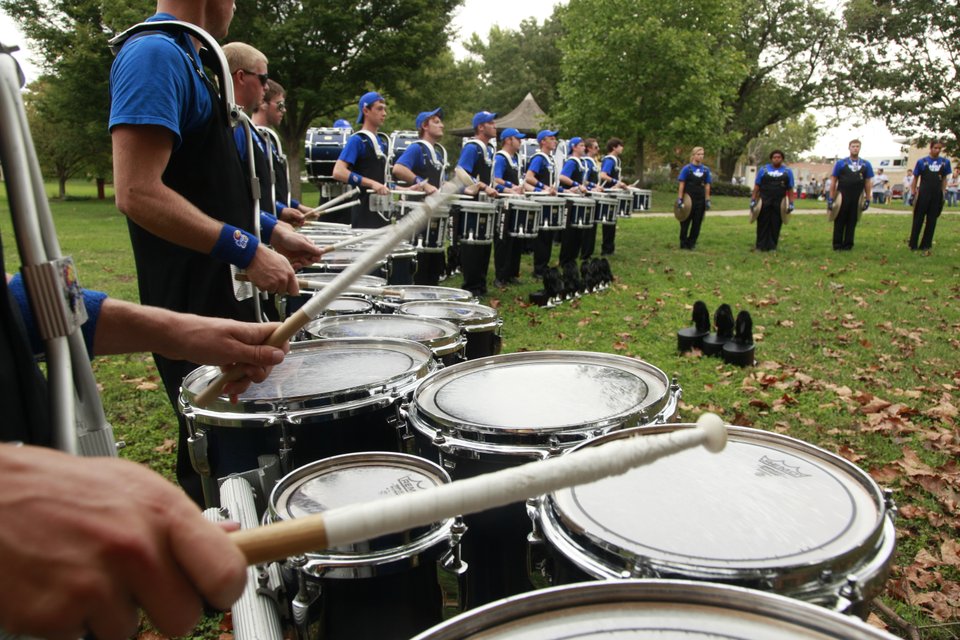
(403, 173)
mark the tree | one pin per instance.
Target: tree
(652, 73)
(57, 140)
(792, 49)
(908, 53)
(793, 136)
(326, 55)
(517, 62)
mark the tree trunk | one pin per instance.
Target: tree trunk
(728, 164)
(640, 158)
(101, 190)
(62, 186)
(294, 149)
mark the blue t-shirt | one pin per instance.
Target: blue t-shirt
(571, 166)
(92, 301)
(537, 165)
(500, 165)
(853, 166)
(773, 172)
(695, 170)
(608, 166)
(149, 85)
(469, 157)
(940, 165)
(356, 148)
(412, 158)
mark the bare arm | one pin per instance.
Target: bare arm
(341, 173)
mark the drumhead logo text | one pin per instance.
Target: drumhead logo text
(769, 467)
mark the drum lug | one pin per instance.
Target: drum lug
(849, 593)
(197, 448)
(452, 563)
(287, 443)
(890, 504)
(264, 589)
(539, 562)
(826, 576)
(642, 569)
(308, 594)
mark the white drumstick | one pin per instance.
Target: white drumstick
(313, 285)
(365, 521)
(314, 213)
(334, 201)
(348, 240)
(368, 260)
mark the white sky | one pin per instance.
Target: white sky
(478, 16)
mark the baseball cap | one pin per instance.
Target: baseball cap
(482, 117)
(511, 133)
(341, 124)
(368, 99)
(574, 141)
(546, 133)
(426, 115)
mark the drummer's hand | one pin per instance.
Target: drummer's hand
(428, 188)
(515, 189)
(292, 216)
(294, 246)
(490, 191)
(552, 190)
(271, 272)
(86, 541)
(472, 189)
(230, 344)
(379, 188)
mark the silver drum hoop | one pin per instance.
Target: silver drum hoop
(317, 380)
(352, 478)
(535, 404)
(651, 610)
(441, 337)
(416, 292)
(800, 521)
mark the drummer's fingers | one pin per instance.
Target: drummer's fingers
(117, 619)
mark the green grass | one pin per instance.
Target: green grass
(833, 331)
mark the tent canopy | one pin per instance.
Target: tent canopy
(526, 116)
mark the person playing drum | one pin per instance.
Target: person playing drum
(363, 162)
(774, 183)
(267, 117)
(591, 168)
(421, 165)
(572, 180)
(541, 175)
(477, 160)
(506, 176)
(180, 182)
(610, 172)
(694, 180)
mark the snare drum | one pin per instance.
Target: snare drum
(441, 337)
(342, 306)
(430, 238)
(338, 260)
(327, 397)
(385, 588)
(770, 512)
(498, 412)
(323, 147)
(523, 220)
(651, 610)
(476, 223)
(553, 213)
(479, 323)
(296, 302)
(580, 215)
(641, 199)
(413, 293)
(607, 207)
(624, 203)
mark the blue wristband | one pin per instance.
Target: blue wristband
(235, 246)
(267, 223)
(355, 179)
(418, 180)
(508, 184)
(539, 185)
(500, 187)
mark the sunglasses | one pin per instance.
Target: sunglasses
(281, 106)
(262, 77)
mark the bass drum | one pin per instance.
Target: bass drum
(651, 610)
(770, 512)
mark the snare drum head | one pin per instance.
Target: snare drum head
(766, 502)
(464, 314)
(317, 374)
(431, 332)
(348, 306)
(412, 293)
(343, 257)
(651, 610)
(545, 393)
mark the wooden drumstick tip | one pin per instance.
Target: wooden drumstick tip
(715, 432)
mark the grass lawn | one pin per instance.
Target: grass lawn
(857, 351)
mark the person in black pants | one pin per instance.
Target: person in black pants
(541, 175)
(477, 160)
(610, 172)
(929, 186)
(506, 177)
(572, 178)
(363, 163)
(774, 183)
(852, 177)
(694, 181)
(591, 178)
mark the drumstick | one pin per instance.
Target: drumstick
(347, 241)
(365, 521)
(314, 213)
(333, 201)
(315, 305)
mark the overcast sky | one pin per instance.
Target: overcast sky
(478, 16)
